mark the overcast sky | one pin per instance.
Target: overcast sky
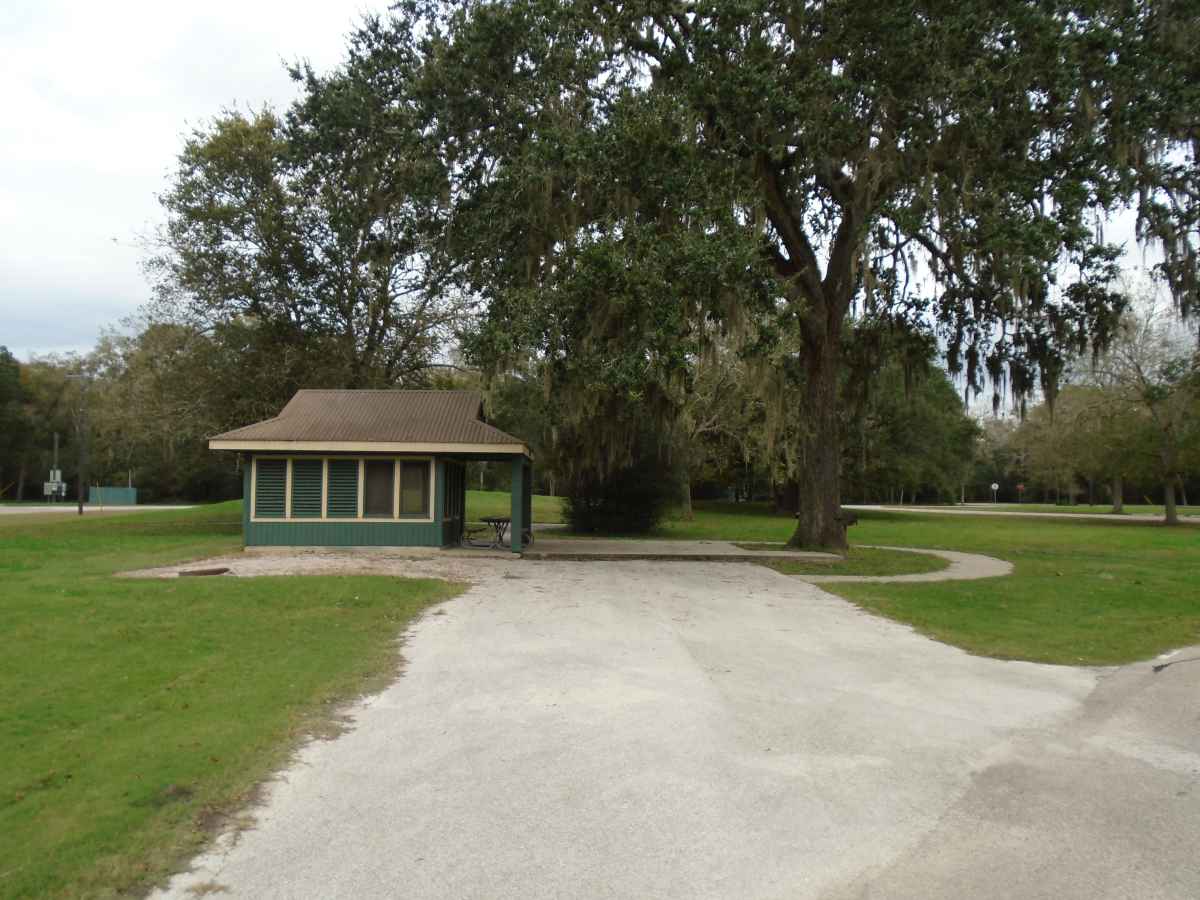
(97, 97)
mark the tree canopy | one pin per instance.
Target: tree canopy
(771, 169)
(311, 234)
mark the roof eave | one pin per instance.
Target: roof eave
(276, 446)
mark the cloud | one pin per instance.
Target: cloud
(97, 99)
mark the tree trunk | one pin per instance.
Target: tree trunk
(1118, 494)
(1182, 490)
(21, 482)
(820, 524)
(1170, 512)
(1171, 472)
(685, 493)
(862, 437)
(786, 497)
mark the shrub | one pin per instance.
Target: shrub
(631, 500)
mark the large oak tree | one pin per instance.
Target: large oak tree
(948, 158)
(627, 183)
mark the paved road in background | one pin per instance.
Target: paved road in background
(65, 508)
(717, 730)
(984, 511)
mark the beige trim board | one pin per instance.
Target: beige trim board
(362, 491)
(365, 447)
(287, 489)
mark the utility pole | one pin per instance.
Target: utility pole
(82, 426)
(55, 496)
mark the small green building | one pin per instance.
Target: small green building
(371, 469)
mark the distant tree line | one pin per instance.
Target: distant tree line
(1125, 425)
(153, 398)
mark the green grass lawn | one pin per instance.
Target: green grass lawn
(859, 561)
(1082, 592)
(134, 714)
(499, 503)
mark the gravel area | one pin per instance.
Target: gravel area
(474, 565)
(464, 566)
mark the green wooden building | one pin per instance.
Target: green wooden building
(371, 469)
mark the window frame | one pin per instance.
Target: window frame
(288, 509)
(396, 518)
(430, 495)
(287, 492)
(365, 464)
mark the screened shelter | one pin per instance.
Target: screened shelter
(380, 468)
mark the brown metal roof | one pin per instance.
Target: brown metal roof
(388, 416)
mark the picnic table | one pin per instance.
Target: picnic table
(500, 526)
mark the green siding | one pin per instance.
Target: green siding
(270, 488)
(342, 502)
(306, 488)
(344, 534)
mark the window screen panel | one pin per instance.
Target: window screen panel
(341, 501)
(378, 488)
(414, 489)
(270, 488)
(450, 492)
(306, 488)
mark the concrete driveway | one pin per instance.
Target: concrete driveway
(644, 730)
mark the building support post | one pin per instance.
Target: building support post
(517, 514)
(527, 500)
